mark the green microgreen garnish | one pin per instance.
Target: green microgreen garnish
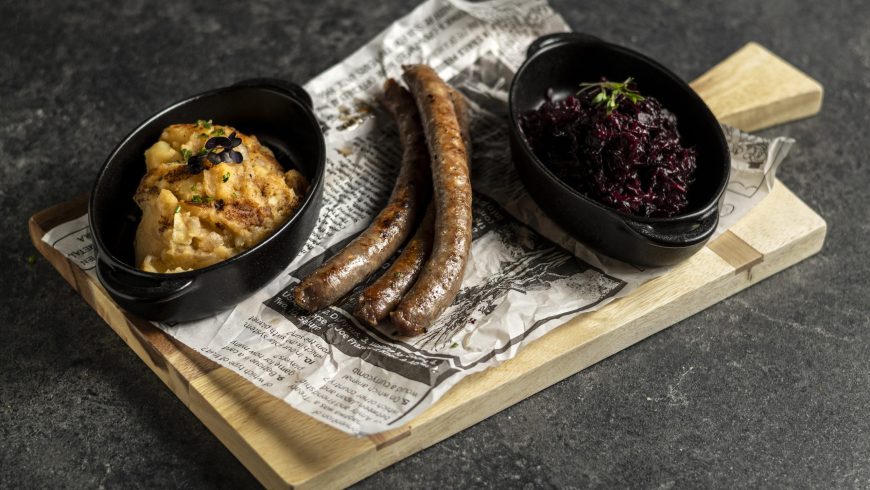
(186, 154)
(219, 132)
(202, 123)
(610, 92)
(226, 177)
(177, 208)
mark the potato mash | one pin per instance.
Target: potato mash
(199, 206)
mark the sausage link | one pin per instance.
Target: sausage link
(381, 297)
(391, 227)
(441, 276)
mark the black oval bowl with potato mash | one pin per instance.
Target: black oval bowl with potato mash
(280, 115)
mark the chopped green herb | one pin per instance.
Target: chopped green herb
(186, 154)
(202, 151)
(201, 199)
(31, 259)
(177, 208)
(454, 345)
(219, 132)
(193, 188)
(235, 195)
(202, 123)
(226, 176)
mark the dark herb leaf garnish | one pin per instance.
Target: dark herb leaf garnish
(196, 164)
(217, 141)
(235, 156)
(218, 149)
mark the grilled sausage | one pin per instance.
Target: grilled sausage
(381, 297)
(441, 276)
(391, 227)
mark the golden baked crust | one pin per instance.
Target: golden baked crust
(190, 221)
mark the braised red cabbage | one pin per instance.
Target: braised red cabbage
(628, 156)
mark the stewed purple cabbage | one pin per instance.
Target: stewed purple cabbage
(628, 157)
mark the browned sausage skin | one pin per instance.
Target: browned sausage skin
(381, 297)
(460, 105)
(391, 227)
(441, 276)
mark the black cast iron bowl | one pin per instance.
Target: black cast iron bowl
(561, 62)
(279, 113)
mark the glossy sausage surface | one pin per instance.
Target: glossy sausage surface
(381, 297)
(441, 276)
(391, 227)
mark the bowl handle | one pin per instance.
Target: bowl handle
(291, 88)
(559, 38)
(678, 234)
(136, 288)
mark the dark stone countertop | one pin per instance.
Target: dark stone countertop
(768, 388)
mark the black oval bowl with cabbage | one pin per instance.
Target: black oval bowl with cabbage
(555, 67)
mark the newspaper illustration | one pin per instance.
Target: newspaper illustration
(525, 276)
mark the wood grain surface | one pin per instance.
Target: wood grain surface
(284, 448)
(754, 89)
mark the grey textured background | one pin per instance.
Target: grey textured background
(768, 388)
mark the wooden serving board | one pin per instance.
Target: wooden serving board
(284, 448)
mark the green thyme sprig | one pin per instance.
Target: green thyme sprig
(610, 92)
